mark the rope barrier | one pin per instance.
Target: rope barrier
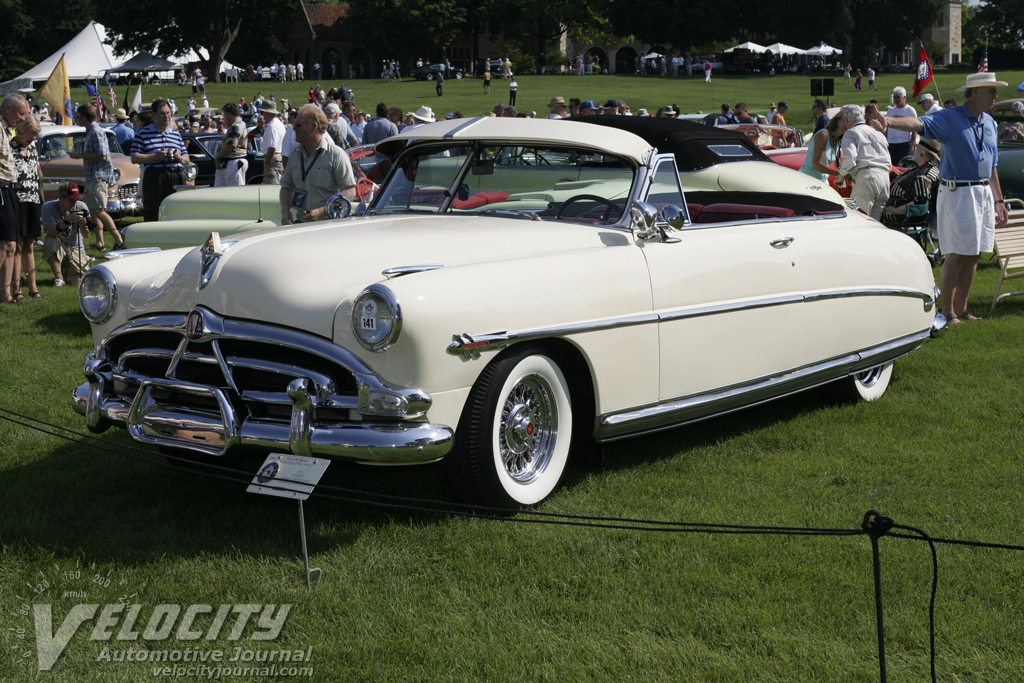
(874, 525)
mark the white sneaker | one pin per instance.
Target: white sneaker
(58, 282)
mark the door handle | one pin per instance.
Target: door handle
(782, 242)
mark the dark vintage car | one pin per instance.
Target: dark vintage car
(428, 72)
(202, 150)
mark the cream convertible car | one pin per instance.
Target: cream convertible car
(517, 290)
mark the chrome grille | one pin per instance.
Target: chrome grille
(254, 374)
(128, 191)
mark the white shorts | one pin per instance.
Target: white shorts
(233, 174)
(967, 220)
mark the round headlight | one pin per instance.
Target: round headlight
(376, 318)
(97, 295)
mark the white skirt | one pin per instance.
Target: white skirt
(967, 220)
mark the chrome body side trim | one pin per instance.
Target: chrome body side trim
(406, 270)
(702, 406)
(470, 345)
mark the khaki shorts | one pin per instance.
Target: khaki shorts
(95, 195)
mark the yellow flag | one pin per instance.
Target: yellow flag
(57, 91)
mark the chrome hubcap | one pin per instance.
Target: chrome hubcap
(869, 377)
(529, 425)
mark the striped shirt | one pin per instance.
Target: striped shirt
(149, 140)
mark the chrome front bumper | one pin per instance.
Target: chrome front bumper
(180, 427)
(243, 385)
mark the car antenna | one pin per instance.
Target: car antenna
(259, 205)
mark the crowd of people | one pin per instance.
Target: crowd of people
(858, 145)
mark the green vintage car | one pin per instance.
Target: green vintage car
(189, 216)
(1011, 147)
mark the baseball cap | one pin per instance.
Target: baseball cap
(927, 97)
(783, 103)
(69, 190)
(1018, 106)
(332, 109)
(587, 105)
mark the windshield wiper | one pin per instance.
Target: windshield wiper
(510, 212)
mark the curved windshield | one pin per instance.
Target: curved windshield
(534, 182)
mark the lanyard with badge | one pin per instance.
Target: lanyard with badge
(299, 198)
(978, 129)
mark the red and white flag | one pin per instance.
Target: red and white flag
(924, 74)
(983, 67)
(112, 97)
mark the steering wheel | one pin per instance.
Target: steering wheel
(364, 188)
(610, 206)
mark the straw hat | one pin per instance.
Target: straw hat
(981, 80)
(556, 101)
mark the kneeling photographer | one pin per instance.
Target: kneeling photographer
(67, 223)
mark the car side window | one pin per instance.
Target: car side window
(665, 188)
(194, 150)
(112, 143)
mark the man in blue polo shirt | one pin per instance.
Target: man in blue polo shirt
(160, 147)
(970, 205)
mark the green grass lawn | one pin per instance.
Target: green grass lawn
(535, 91)
(422, 596)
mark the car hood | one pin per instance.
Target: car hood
(319, 267)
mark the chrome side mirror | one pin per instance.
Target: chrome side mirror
(673, 216)
(339, 206)
(191, 172)
(642, 218)
(647, 222)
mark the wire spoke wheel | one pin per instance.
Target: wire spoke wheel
(528, 428)
(512, 444)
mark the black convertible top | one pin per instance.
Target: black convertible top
(694, 145)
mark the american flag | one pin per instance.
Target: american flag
(112, 96)
(97, 101)
(983, 67)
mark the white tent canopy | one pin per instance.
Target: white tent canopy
(753, 47)
(87, 55)
(783, 49)
(824, 50)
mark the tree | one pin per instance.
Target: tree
(541, 21)
(174, 28)
(1003, 22)
(27, 23)
(406, 29)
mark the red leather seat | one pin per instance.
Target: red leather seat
(722, 213)
(694, 211)
(480, 199)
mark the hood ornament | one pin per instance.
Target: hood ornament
(210, 254)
